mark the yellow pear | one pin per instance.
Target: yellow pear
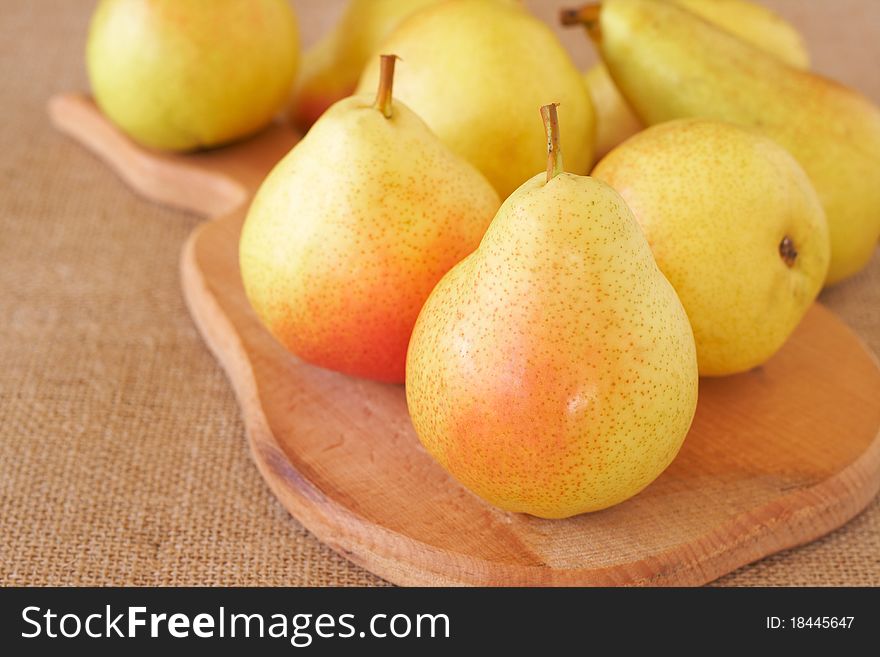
(615, 120)
(350, 232)
(330, 69)
(736, 227)
(185, 74)
(553, 371)
(754, 24)
(475, 71)
(670, 64)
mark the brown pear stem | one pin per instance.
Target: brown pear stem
(554, 149)
(386, 85)
(588, 16)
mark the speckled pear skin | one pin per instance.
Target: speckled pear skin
(715, 201)
(476, 71)
(331, 68)
(751, 22)
(181, 75)
(350, 232)
(670, 64)
(553, 371)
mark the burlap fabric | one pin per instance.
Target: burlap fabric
(122, 455)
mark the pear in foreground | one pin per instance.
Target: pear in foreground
(350, 232)
(751, 22)
(670, 64)
(180, 75)
(486, 112)
(330, 69)
(553, 371)
(736, 227)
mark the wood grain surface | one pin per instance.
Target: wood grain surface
(210, 182)
(775, 458)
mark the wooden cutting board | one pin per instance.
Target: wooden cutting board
(775, 458)
(209, 183)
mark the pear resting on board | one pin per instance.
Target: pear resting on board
(330, 69)
(736, 227)
(350, 232)
(754, 24)
(180, 75)
(476, 71)
(553, 371)
(671, 64)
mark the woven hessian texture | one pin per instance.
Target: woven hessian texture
(122, 454)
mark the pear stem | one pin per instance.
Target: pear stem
(554, 149)
(386, 85)
(588, 16)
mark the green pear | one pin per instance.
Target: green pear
(350, 232)
(475, 71)
(330, 69)
(736, 227)
(553, 371)
(670, 64)
(753, 23)
(185, 74)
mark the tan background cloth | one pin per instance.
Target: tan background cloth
(122, 454)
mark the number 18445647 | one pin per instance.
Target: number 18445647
(810, 622)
